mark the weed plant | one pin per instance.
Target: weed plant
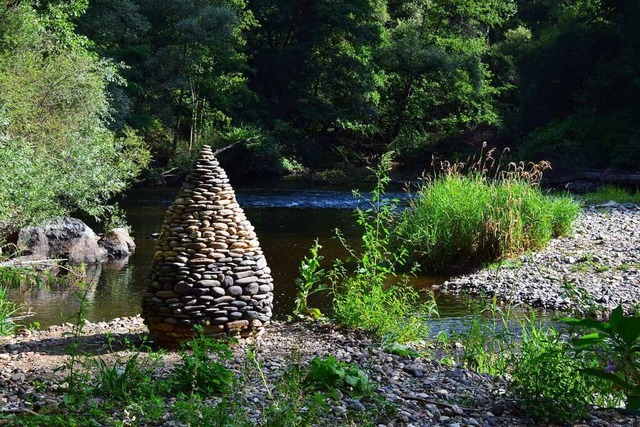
(199, 372)
(547, 376)
(481, 212)
(364, 297)
(488, 341)
(7, 310)
(615, 345)
(310, 282)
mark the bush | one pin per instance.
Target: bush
(58, 154)
(471, 217)
(548, 378)
(371, 296)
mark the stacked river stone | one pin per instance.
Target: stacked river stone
(208, 267)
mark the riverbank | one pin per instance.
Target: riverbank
(597, 267)
(425, 392)
(601, 258)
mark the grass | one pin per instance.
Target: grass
(465, 216)
(545, 371)
(611, 193)
(7, 310)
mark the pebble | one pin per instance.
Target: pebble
(601, 260)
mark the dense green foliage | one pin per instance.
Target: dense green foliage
(577, 82)
(616, 345)
(546, 372)
(320, 83)
(507, 215)
(57, 154)
(311, 84)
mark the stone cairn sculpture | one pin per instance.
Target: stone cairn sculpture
(208, 268)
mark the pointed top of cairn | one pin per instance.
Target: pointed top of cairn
(208, 268)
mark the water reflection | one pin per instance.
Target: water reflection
(287, 220)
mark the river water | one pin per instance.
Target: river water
(287, 218)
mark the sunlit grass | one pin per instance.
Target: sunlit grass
(611, 193)
(466, 217)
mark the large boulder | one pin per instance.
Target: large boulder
(62, 238)
(117, 243)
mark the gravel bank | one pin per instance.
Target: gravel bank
(599, 263)
(602, 259)
(426, 393)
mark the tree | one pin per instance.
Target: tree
(437, 80)
(57, 154)
(578, 87)
(194, 75)
(314, 64)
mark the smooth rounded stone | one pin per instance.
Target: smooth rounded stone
(239, 304)
(166, 294)
(224, 299)
(228, 281)
(208, 283)
(238, 324)
(252, 315)
(243, 275)
(246, 281)
(218, 291)
(235, 291)
(251, 289)
(261, 263)
(220, 320)
(182, 288)
(217, 313)
(263, 289)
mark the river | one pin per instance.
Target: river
(288, 217)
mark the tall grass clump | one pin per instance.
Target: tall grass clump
(480, 212)
(364, 296)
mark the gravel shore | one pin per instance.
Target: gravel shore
(598, 266)
(601, 259)
(425, 392)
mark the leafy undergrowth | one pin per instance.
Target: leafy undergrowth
(201, 389)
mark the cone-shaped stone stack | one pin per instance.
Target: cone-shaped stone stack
(208, 267)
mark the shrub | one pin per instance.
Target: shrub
(58, 154)
(371, 296)
(464, 215)
(199, 373)
(548, 377)
(615, 344)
